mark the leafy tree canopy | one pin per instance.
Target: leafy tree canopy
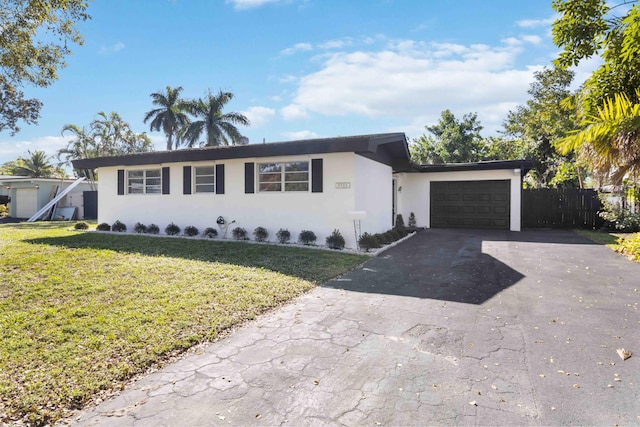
(36, 165)
(450, 141)
(587, 28)
(106, 135)
(34, 40)
(535, 126)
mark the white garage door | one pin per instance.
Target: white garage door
(26, 202)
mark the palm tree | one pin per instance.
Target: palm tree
(609, 140)
(170, 116)
(218, 128)
(36, 165)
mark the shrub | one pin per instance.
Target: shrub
(335, 240)
(4, 211)
(261, 234)
(153, 229)
(368, 241)
(210, 233)
(383, 238)
(172, 229)
(618, 218)
(283, 236)
(118, 226)
(393, 235)
(239, 233)
(307, 237)
(402, 232)
(103, 227)
(82, 225)
(191, 231)
(140, 228)
(399, 221)
(412, 220)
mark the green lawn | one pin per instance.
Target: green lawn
(626, 244)
(83, 312)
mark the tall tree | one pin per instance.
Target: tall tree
(587, 28)
(36, 165)
(610, 140)
(450, 141)
(217, 127)
(170, 116)
(536, 125)
(106, 135)
(35, 38)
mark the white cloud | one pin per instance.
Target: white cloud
(303, 134)
(298, 47)
(250, 4)
(336, 44)
(293, 112)
(535, 23)
(258, 116)
(416, 79)
(11, 149)
(116, 47)
(533, 39)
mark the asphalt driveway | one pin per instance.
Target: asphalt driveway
(450, 327)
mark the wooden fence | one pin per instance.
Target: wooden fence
(551, 208)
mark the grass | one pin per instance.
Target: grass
(625, 244)
(84, 312)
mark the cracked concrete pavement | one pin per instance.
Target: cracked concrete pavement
(454, 327)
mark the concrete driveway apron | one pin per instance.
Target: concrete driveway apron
(451, 327)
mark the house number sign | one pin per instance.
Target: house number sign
(343, 185)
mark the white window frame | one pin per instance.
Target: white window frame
(146, 186)
(283, 176)
(195, 180)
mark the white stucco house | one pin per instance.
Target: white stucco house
(318, 185)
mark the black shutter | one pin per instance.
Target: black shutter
(316, 175)
(165, 180)
(219, 179)
(186, 180)
(249, 178)
(120, 182)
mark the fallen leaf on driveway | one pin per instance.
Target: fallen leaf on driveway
(473, 403)
(624, 354)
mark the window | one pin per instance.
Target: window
(204, 177)
(285, 176)
(144, 181)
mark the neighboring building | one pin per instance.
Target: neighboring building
(29, 195)
(318, 185)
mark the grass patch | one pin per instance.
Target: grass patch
(84, 312)
(625, 244)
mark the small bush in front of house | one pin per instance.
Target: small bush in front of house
(335, 240)
(368, 241)
(239, 233)
(172, 229)
(403, 232)
(283, 235)
(140, 228)
(391, 235)
(81, 225)
(261, 234)
(153, 229)
(210, 233)
(4, 211)
(307, 237)
(382, 238)
(412, 220)
(118, 226)
(399, 221)
(191, 231)
(103, 227)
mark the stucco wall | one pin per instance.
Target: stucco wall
(295, 211)
(373, 184)
(414, 196)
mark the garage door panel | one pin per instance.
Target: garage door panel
(471, 204)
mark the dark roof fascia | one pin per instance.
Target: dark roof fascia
(523, 165)
(368, 145)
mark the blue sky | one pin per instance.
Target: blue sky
(301, 68)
